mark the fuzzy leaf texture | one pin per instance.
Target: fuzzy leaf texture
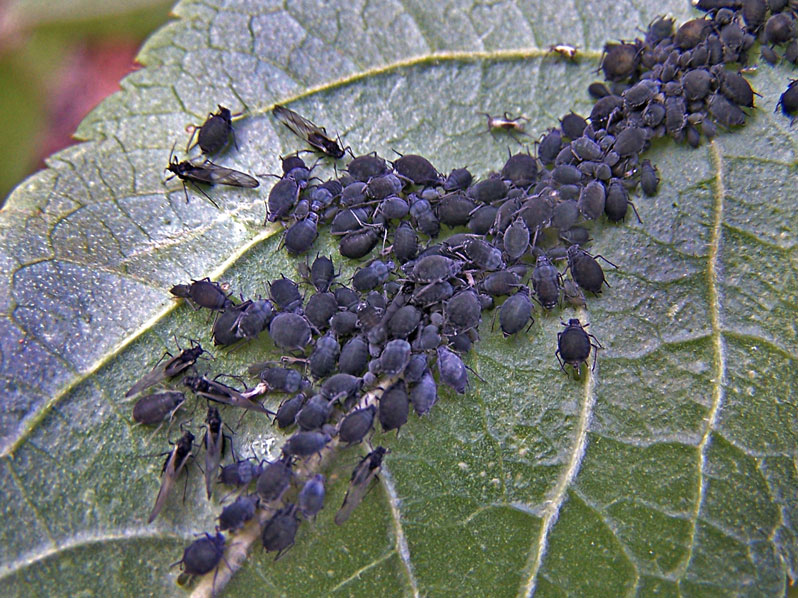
(669, 471)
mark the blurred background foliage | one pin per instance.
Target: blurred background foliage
(58, 60)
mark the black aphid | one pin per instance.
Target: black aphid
(585, 269)
(619, 61)
(454, 209)
(573, 125)
(394, 406)
(365, 471)
(288, 410)
(416, 169)
(154, 408)
(241, 473)
(311, 497)
(779, 29)
(203, 555)
(236, 515)
(573, 294)
(598, 90)
(592, 200)
(363, 168)
(215, 133)
(322, 273)
(315, 413)
(574, 344)
(225, 330)
(214, 442)
(172, 367)
(210, 174)
(290, 331)
(299, 237)
(483, 255)
(516, 312)
(546, 282)
(280, 531)
(394, 357)
(174, 464)
(314, 135)
(618, 203)
(274, 480)
(203, 293)
(306, 443)
(255, 318)
(452, 370)
(359, 243)
(356, 425)
(341, 388)
(458, 180)
(789, 100)
(649, 178)
(324, 359)
(281, 379)
(221, 393)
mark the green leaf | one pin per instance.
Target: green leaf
(668, 470)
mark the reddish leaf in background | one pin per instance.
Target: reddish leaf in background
(90, 73)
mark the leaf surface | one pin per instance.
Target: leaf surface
(669, 469)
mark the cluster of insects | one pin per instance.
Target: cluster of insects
(439, 251)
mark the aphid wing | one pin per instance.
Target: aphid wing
(227, 176)
(213, 457)
(154, 376)
(354, 496)
(299, 125)
(177, 364)
(167, 481)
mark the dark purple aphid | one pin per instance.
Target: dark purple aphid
(274, 480)
(290, 331)
(236, 515)
(452, 370)
(306, 443)
(208, 173)
(649, 178)
(324, 359)
(546, 282)
(311, 497)
(516, 312)
(458, 180)
(585, 269)
(574, 345)
(203, 555)
(789, 100)
(282, 198)
(356, 425)
(154, 408)
(214, 442)
(215, 133)
(416, 169)
(280, 531)
(394, 406)
(203, 293)
(241, 473)
(315, 413)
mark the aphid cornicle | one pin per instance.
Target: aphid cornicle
(574, 345)
(215, 133)
(314, 135)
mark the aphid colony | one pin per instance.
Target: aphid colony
(364, 351)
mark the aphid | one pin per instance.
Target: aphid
(214, 446)
(424, 217)
(394, 357)
(290, 331)
(455, 209)
(299, 237)
(483, 255)
(566, 50)
(516, 312)
(221, 393)
(619, 61)
(203, 293)
(235, 516)
(322, 273)
(592, 200)
(210, 174)
(363, 168)
(574, 344)
(174, 464)
(506, 123)
(320, 308)
(282, 198)
(630, 141)
(585, 269)
(769, 56)
(463, 311)
(691, 33)
(315, 413)
(550, 146)
(649, 178)
(576, 235)
(241, 473)
(180, 362)
(341, 387)
(754, 12)
(779, 29)
(324, 358)
(305, 443)
(280, 531)
(274, 480)
(585, 148)
(288, 410)
(315, 136)
(724, 112)
(255, 318)
(343, 323)
(225, 328)
(618, 203)
(354, 427)
(546, 282)
(416, 169)
(372, 276)
(598, 90)
(311, 497)
(573, 125)
(789, 100)
(573, 294)
(359, 243)
(424, 394)
(154, 408)
(458, 180)
(481, 220)
(365, 471)
(203, 555)
(394, 406)
(452, 370)
(215, 133)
